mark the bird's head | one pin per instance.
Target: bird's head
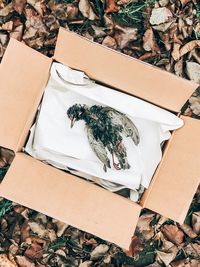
(76, 113)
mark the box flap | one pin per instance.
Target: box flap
(71, 200)
(23, 75)
(178, 176)
(123, 72)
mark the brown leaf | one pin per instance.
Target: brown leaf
(124, 35)
(166, 257)
(6, 154)
(193, 71)
(86, 9)
(109, 42)
(189, 47)
(135, 247)
(144, 227)
(19, 5)
(196, 217)
(86, 264)
(6, 10)
(160, 15)
(195, 104)
(35, 251)
(8, 26)
(61, 227)
(184, 2)
(99, 251)
(173, 233)
(5, 262)
(99, 31)
(39, 6)
(149, 42)
(178, 67)
(176, 52)
(192, 250)
(24, 262)
(111, 6)
(188, 230)
(17, 33)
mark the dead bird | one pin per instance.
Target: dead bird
(105, 129)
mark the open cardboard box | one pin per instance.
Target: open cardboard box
(24, 74)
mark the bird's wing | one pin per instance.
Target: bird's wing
(98, 148)
(129, 128)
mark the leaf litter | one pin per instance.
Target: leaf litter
(165, 33)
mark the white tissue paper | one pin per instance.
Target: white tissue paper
(52, 140)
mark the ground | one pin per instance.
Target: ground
(164, 33)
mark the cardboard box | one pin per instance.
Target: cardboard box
(24, 74)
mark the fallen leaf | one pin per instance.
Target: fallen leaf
(176, 51)
(185, 2)
(135, 247)
(195, 104)
(86, 264)
(99, 31)
(24, 262)
(144, 227)
(193, 71)
(99, 251)
(178, 67)
(61, 227)
(109, 42)
(86, 9)
(173, 233)
(111, 6)
(167, 257)
(17, 33)
(196, 217)
(188, 230)
(189, 47)
(163, 27)
(124, 35)
(19, 5)
(6, 10)
(160, 15)
(35, 251)
(149, 42)
(163, 2)
(8, 26)
(5, 262)
(192, 250)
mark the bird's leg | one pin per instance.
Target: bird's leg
(116, 165)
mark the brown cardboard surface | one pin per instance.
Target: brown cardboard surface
(123, 72)
(23, 76)
(178, 176)
(71, 200)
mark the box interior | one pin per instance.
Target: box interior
(97, 209)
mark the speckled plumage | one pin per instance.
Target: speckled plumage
(105, 129)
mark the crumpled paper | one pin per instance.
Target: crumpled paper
(53, 140)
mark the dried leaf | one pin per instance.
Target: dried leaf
(99, 31)
(61, 227)
(19, 5)
(166, 257)
(6, 10)
(24, 262)
(109, 42)
(86, 264)
(188, 230)
(86, 9)
(193, 71)
(189, 47)
(178, 67)
(195, 104)
(135, 247)
(35, 251)
(124, 35)
(176, 52)
(5, 262)
(193, 250)
(99, 251)
(111, 6)
(160, 15)
(196, 216)
(17, 33)
(173, 233)
(144, 227)
(149, 42)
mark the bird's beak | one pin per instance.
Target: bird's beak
(72, 122)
